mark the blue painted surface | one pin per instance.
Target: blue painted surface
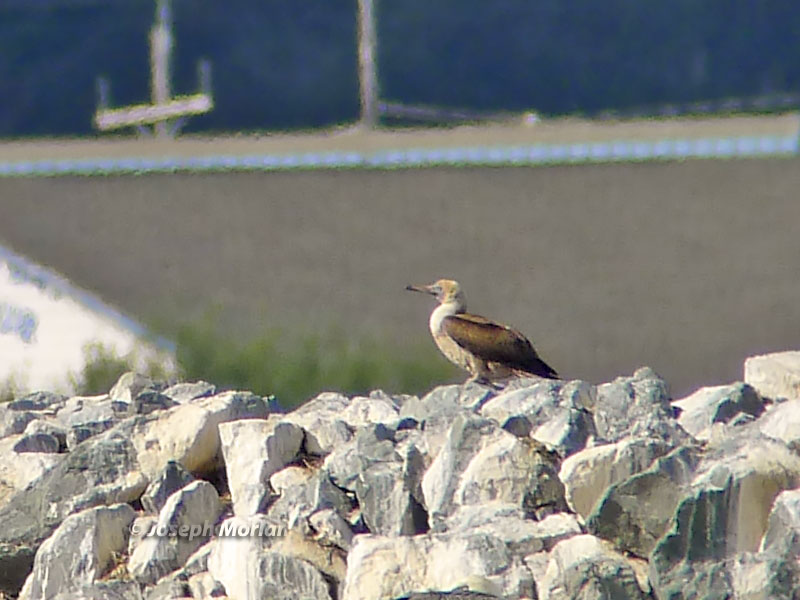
(536, 154)
(25, 271)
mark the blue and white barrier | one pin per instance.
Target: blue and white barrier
(521, 155)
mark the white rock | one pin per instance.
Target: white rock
(589, 473)
(331, 528)
(321, 419)
(775, 375)
(79, 551)
(717, 404)
(782, 422)
(128, 386)
(584, 567)
(289, 477)
(17, 470)
(189, 433)
(364, 411)
(255, 449)
(184, 524)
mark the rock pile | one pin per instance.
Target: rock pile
(542, 489)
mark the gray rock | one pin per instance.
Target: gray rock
(79, 551)
(637, 511)
(37, 401)
(637, 406)
(586, 568)
(719, 404)
(130, 385)
(298, 502)
(782, 422)
(90, 410)
(378, 408)
(169, 481)
(13, 422)
(588, 474)
(101, 472)
(331, 529)
(148, 401)
(114, 589)
(37, 442)
(80, 433)
(775, 375)
(321, 420)
(255, 449)
(783, 526)
(480, 462)
(186, 392)
(51, 428)
(184, 524)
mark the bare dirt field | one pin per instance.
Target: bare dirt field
(688, 267)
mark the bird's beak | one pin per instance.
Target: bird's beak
(425, 289)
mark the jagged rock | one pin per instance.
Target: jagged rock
(775, 375)
(586, 568)
(142, 527)
(203, 585)
(378, 408)
(637, 406)
(385, 478)
(783, 525)
(480, 462)
(148, 401)
(129, 385)
(328, 560)
(782, 422)
(255, 449)
(726, 513)
(718, 404)
(331, 529)
(557, 412)
(102, 471)
(188, 433)
(13, 422)
(90, 410)
(104, 590)
(297, 503)
(37, 442)
(17, 471)
(250, 570)
(321, 420)
(184, 524)
(80, 433)
(51, 428)
(79, 551)
(172, 478)
(381, 567)
(186, 392)
(289, 477)
(37, 401)
(588, 474)
(636, 512)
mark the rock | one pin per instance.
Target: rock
(250, 570)
(80, 433)
(186, 392)
(718, 404)
(783, 525)
(365, 411)
(172, 478)
(255, 449)
(88, 411)
(328, 560)
(37, 442)
(51, 428)
(588, 474)
(104, 590)
(775, 375)
(37, 401)
(17, 470)
(635, 512)
(584, 567)
(148, 401)
(102, 471)
(380, 567)
(480, 462)
(203, 585)
(184, 524)
(331, 529)
(321, 420)
(129, 385)
(142, 527)
(290, 477)
(637, 406)
(79, 551)
(725, 514)
(188, 433)
(782, 422)
(297, 503)
(13, 422)
(556, 411)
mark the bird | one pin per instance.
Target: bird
(487, 350)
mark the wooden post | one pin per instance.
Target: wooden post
(160, 49)
(367, 67)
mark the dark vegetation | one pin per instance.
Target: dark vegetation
(279, 64)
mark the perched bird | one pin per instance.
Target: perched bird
(487, 350)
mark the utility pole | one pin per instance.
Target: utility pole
(160, 51)
(367, 63)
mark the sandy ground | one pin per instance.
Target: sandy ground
(688, 267)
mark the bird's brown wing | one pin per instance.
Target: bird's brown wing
(496, 343)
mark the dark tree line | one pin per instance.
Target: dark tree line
(281, 64)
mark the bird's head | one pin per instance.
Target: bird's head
(445, 291)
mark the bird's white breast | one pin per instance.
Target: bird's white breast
(437, 316)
